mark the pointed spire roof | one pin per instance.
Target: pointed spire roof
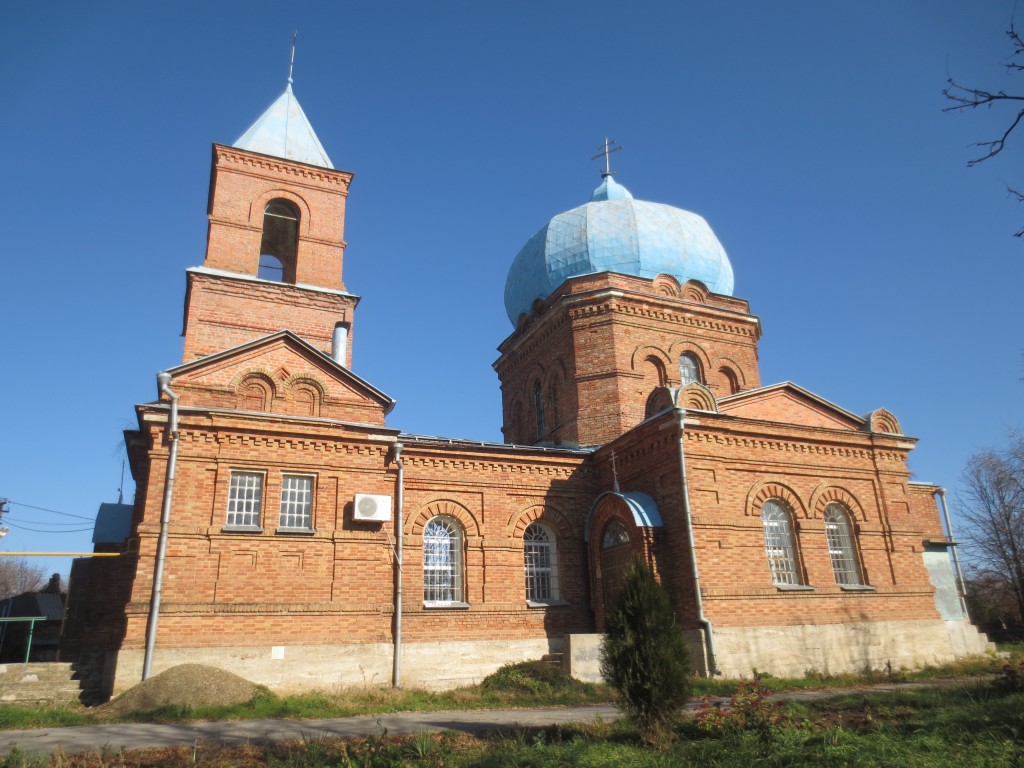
(284, 131)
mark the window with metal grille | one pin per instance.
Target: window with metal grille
(778, 543)
(442, 562)
(839, 534)
(540, 561)
(689, 369)
(296, 501)
(245, 499)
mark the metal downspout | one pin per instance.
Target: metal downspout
(709, 633)
(961, 588)
(396, 671)
(163, 381)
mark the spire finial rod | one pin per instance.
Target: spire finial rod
(607, 148)
(291, 64)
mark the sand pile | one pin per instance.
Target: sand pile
(187, 685)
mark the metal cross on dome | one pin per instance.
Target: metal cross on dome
(607, 148)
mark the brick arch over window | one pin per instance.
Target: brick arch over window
(666, 285)
(695, 291)
(882, 420)
(550, 516)
(731, 375)
(825, 494)
(259, 205)
(773, 489)
(254, 391)
(305, 395)
(696, 352)
(443, 508)
(697, 397)
(661, 399)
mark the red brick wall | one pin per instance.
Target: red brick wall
(610, 340)
(222, 312)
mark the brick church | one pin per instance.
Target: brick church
(283, 530)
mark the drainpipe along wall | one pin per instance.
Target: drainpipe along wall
(396, 670)
(709, 633)
(163, 381)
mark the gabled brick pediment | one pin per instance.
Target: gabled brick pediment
(789, 404)
(279, 374)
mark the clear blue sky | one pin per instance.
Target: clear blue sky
(809, 135)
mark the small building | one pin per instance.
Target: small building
(46, 605)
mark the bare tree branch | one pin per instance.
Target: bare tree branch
(965, 97)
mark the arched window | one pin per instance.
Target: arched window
(442, 562)
(689, 369)
(839, 534)
(280, 241)
(778, 543)
(538, 408)
(540, 562)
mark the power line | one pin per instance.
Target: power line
(54, 511)
(8, 518)
(43, 530)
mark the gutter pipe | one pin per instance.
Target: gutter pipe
(396, 670)
(163, 381)
(961, 588)
(709, 632)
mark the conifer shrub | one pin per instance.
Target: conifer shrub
(643, 655)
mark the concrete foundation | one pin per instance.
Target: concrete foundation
(838, 648)
(826, 648)
(295, 668)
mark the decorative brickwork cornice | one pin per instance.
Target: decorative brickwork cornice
(276, 166)
(732, 431)
(664, 314)
(526, 467)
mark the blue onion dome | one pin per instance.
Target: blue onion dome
(615, 233)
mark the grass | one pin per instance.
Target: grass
(532, 684)
(978, 724)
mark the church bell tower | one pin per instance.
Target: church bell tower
(276, 243)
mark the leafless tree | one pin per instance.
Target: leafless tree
(965, 97)
(992, 505)
(19, 575)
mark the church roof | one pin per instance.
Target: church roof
(284, 131)
(615, 233)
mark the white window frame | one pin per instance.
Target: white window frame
(245, 500)
(841, 549)
(540, 564)
(780, 544)
(290, 520)
(443, 583)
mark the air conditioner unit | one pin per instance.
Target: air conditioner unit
(372, 508)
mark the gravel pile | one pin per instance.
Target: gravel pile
(188, 685)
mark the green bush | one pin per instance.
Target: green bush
(643, 655)
(527, 677)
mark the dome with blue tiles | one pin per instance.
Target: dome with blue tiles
(615, 233)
